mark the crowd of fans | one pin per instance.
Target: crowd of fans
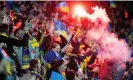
(32, 50)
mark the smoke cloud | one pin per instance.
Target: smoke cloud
(110, 46)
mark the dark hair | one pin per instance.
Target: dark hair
(70, 74)
(33, 63)
(16, 31)
(3, 27)
(18, 18)
(55, 44)
(39, 23)
(55, 64)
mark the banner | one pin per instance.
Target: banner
(25, 56)
(61, 27)
(33, 46)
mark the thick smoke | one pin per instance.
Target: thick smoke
(110, 46)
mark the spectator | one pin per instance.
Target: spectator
(34, 70)
(54, 53)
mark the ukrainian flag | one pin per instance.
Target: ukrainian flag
(112, 4)
(61, 27)
(63, 7)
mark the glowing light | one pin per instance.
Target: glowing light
(79, 11)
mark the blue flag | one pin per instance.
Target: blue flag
(60, 26)
(56, 76)
(25, 56)
(11, 5)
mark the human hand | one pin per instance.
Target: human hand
(5, 19)
(87, 50)
(79, 39)
(57, 32)
(66, 59)
(131, 60)
(74, 33)
(125, 73)
(3, 12)
(94, 47)
(62, 68)
(96, 69)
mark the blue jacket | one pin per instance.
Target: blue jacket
(51, 55)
